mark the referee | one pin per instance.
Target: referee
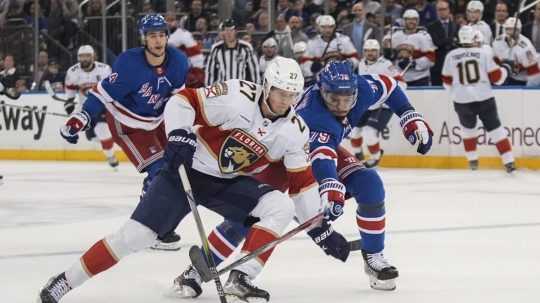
(231, 58)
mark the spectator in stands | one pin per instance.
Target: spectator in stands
(9, 74)
(282, 34)
(282, 7)
(147, 8)
(359, 30)
(54, 75)
(93, 8)
(297, 34)
(392, 11)
(214, 23)
(263, 22)
(4, 9)
(29, 11)
(196, 12)
(371, 6)
(442, 32)
(532, 29)
(427, 12)
(297, 9)
(43, 65)
(311, 29)
(269, 52)
(21, 87)
(201, 34)
(501, 14)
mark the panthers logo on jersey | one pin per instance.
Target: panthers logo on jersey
(239, 151)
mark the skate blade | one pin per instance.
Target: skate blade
(386, 285)
(181, 292)
(175, 246)
(236, 299)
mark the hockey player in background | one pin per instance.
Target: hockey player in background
(241, 128)
(184, 41)
(133, 98)
(415, 50)
(376, 118)
(468, 73)
(326, 46)
(474, 13)
(330, 108)
(80, 79)
(11, 93)
(269, 52)
(517, 51)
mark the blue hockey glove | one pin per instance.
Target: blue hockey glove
(180, 149)
(331, 242)
(333, 196)
(416, 130)
(74, 124)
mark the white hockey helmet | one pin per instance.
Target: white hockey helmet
(467, 35)
(411, 13)
(283, 73)
(511, 23)
(85, 49)
(326, 20)
(371, 44)
(299, 47)
(475, 5)
(270, 42)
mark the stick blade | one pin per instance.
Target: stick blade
(198, 261)
(355, 245)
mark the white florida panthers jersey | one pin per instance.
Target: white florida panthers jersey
(234, 138)
(524, 56)
(469, 72)
(79, 82)
(423, 52)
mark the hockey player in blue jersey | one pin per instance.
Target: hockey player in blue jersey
(331, 108)
(133, 98)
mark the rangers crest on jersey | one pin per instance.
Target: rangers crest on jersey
(239, 151)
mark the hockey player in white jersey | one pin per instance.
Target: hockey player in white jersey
(269, 53)
(475, 10)
(327, 45)
(376, 118)
(80, 79)
(415, 50)
(468, 73)
(517, 51)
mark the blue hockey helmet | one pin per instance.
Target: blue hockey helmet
(339, 87)
(153, 23)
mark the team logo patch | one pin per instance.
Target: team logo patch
(239, 151)
(217, 89)
(323, 137)
(113, 77)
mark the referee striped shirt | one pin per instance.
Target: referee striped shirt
(224, 63)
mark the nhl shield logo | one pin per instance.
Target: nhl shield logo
(239, 151)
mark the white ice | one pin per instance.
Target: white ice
(455, 236)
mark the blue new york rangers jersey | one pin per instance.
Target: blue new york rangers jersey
(136, 92)
(327, 132)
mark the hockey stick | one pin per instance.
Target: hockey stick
(29, 109)
(51, 92)
(200, 228)
(207, 274)
(523, 7)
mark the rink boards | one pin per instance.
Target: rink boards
(32, 135)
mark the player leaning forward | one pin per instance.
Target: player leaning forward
(468, 73)
(241, 128)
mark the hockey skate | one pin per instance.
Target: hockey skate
(54, 290)
(170, 241)
(473, 164)
(113, 162)
(239, 288)
(188, 284)
(510, 167)
(381, 274)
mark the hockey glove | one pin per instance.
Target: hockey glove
(180, 149)
(416, 130)
(403, 63)
(74, 124)
(316, 67)
(331, 242)
(10, 92)
(69, 106)
(333, 196)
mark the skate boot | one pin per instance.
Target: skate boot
(188, 284)
(473, 164)
(381, 274)
(113, 162)
(54, 290)
(239, 287)
(510, 167)
(372, 162)
(170, 241)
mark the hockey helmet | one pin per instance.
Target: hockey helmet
(467, 35)
(326, 20)
(371, 44)
(153, 23)
(475, 5)
(85, 49)
(512, 23)
(411, 13)
(338, 78)
(299, 47)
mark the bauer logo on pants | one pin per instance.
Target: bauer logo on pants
(239, 151)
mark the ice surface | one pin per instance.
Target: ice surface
(455, 236)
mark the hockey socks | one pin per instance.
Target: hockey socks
(225, 238)
(371, 221)
(502, 143)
